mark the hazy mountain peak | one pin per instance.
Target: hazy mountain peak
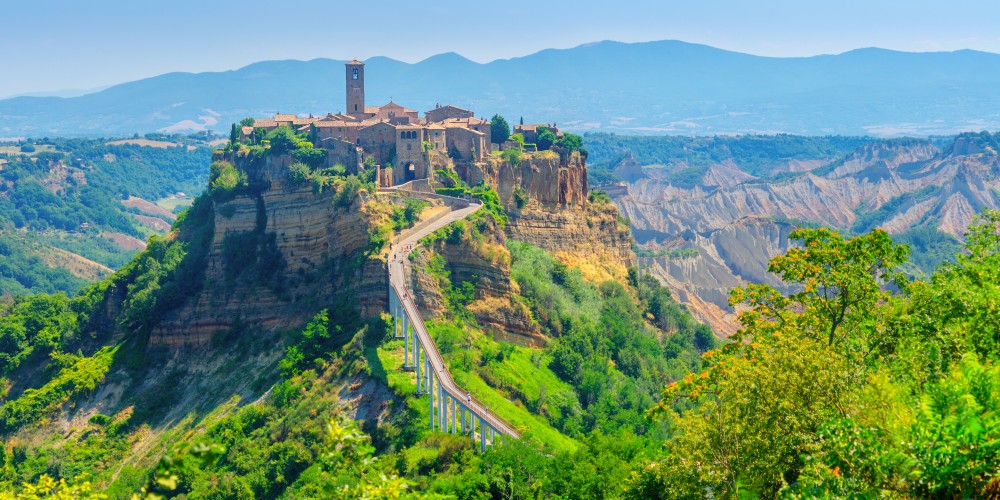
(655, 87)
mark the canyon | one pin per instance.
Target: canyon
(706, 237)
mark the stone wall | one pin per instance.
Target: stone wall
(344, 153)
(379, 141)
(469, 144)
(544, 177)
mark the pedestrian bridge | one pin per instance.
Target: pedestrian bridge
(452, 409)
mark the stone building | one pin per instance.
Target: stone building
(441, 113)
(355, 80)
(379, 141)
(393, 136)
(530, 131)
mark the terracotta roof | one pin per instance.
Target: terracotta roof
(331, 123)
(284, 118)
(372, 123)
(355, 61)
(393, 105)
(531, 126)
(371, 109)
(458, 126)
(465, 121)
(265, 122)
(449, 106)
(246, 130)
(434, 126)
(304, 121)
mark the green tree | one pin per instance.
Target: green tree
(546, 138)
(224, 178)
(499, 130)
(282, 140)
(766, 399)
(571, 142)
(841, 281)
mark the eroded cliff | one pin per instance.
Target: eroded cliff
(277, 256)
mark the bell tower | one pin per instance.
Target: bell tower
(355, 87)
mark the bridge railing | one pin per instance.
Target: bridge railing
(464, 397)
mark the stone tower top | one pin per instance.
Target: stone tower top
(355, 87)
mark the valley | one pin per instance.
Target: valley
(710, 217)
(231, 342)
(73, 210)
(472, 251)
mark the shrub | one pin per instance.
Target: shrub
(520, 197)
(313, 157)
(100, 419)
(512, 156)
(224, 179)
(298, 174)
(282, 140)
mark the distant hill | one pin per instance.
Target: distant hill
(709, 213)
(665, 87)
(73, 210)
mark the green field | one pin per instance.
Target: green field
(171, 203)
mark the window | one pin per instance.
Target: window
(355, 73)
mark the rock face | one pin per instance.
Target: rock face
(547, 204)
(317, 252)
(282, 253)
(486, 265)
(548, 178)
(736, 223)
(555, 212)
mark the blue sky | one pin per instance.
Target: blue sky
(72, 44)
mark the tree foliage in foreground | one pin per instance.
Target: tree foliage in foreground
(846, 388)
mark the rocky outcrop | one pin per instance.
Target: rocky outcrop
(552, 210)
(314, 258)
(485, 263)
(545, 177)
(592, 233)
(282, 252)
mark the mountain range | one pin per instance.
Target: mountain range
(662, 87)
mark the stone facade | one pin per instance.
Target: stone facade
(442, 113)
(410, 157)
(390, 134)
(355, 82)
(530, 131)
(379, 141)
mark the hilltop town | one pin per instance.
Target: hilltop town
(403, 145)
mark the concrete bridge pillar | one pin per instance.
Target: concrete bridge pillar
(442, 415)
(394, 311)
(416, 362)
(430, 398)
(451, 416)
(406, 344)
(482, 435)
(428, 373)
